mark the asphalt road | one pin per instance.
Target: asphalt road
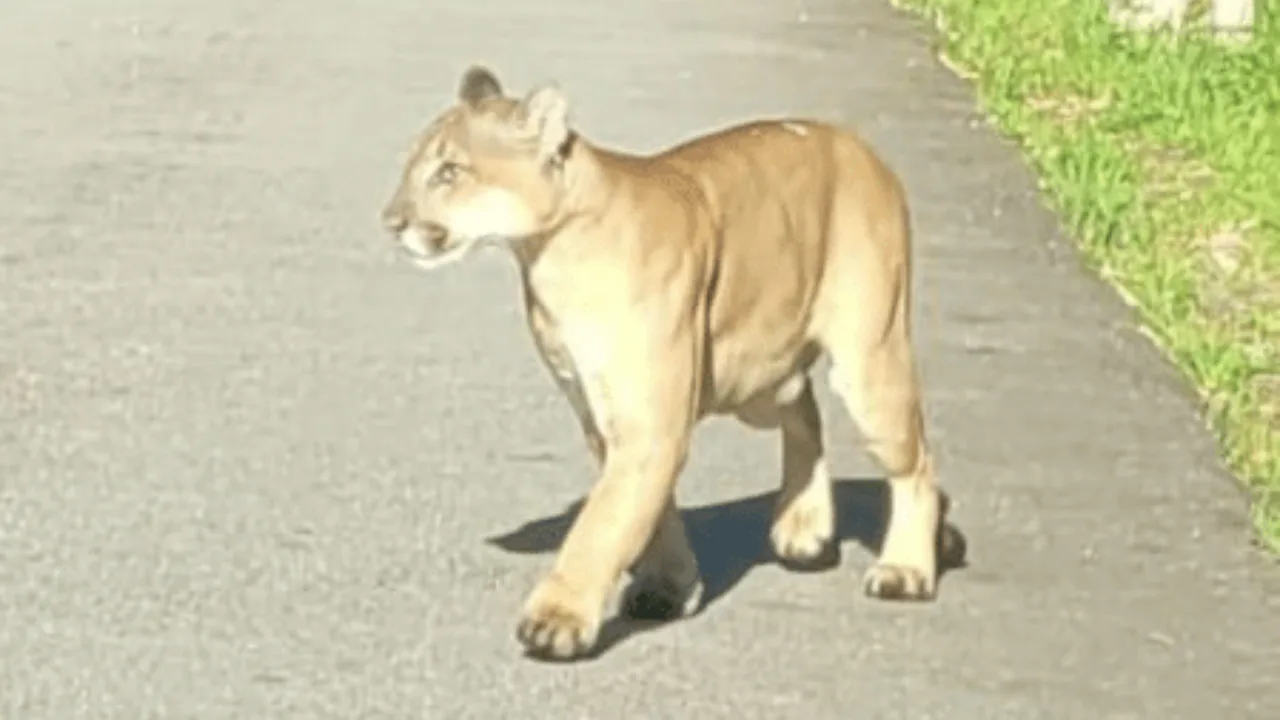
(253, 465)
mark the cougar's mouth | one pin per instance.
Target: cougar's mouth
(432, 246)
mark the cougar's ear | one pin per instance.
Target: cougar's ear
(546, 117)
(478, 84)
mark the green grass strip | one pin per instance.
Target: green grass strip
(1162, 156)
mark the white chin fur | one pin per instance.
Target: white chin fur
(415, 246)
(448, 256)
(415, 241)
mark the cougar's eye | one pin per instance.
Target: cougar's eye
(445, 174)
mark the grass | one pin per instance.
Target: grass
(1162, 156)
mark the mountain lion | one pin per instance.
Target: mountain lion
(703, 280)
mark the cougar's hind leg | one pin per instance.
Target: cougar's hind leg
(803, 528)
(873, 372)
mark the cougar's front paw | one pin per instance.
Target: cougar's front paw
(898, 582)
(557, 623)
(802, 536)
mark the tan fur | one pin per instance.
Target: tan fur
(704, 280)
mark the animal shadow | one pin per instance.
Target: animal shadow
(732, 538)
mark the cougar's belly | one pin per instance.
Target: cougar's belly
(760, 320)
(747, 369)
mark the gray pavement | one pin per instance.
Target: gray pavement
(252, 465)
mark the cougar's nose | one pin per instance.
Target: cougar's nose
(394, 221)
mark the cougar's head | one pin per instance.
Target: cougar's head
(487, 169)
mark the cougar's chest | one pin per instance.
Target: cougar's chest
(549, 337)
(574, 355)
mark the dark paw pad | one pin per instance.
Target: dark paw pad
(661, 601)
